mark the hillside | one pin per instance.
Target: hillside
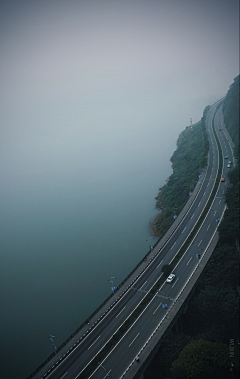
(208, 343)
(188, 161)
(231, 110)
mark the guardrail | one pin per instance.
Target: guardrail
(86, 322)
(48, 359)
(148, 297)
(156, 347)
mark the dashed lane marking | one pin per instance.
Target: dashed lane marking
(159, 264)
(143, 285)
(134, 339)
(189, 261)
(175, 283)
(107, 375)
(94, 342)
(120, 311)
(157, 308)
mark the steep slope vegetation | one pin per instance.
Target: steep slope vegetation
(208, 344)
(187, 162)
(231, 110)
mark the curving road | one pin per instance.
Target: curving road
(124, 353)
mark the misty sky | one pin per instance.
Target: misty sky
(93, 96)
(76, 75)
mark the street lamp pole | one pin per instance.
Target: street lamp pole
(54, 347)
(112, 287)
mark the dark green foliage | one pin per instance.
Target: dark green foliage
(200, 357)
(179, 373)
(187, 162)
(169, 350)
(221, 303)
(230, 228)
(166, 269)
(231, 110)
(213, 312)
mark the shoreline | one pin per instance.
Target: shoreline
(192, 146)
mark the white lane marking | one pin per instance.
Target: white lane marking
(214, 213)
(192, 216)
(120, 311)
(189, 261)
(107, 375)
(173, 245)
(199, 203)
(63, 375)
(220, 201)
(159, 264)
(184, 229)
(175, 283)
(143, 285)
(94, 342)
(208, 184)
(210, 176)
(157, 308)
(204, 193)
(199, 243)
(208, 227)
(134, 339)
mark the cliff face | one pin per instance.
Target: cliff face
(231, 110)
(187, 162)
(209, 317)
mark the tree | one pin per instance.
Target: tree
(221, 303)
(197, 354)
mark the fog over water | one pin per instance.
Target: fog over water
(93, 96)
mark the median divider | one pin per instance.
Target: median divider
(149, 296)
(115, 338)
(86, 322)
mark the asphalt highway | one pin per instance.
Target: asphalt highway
(127, 349)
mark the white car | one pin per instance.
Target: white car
(228, 165)
(229, 162)
(170, 278)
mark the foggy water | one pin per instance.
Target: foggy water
(93, 97)
(66, 231)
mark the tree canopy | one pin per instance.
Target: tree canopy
(197, 354)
